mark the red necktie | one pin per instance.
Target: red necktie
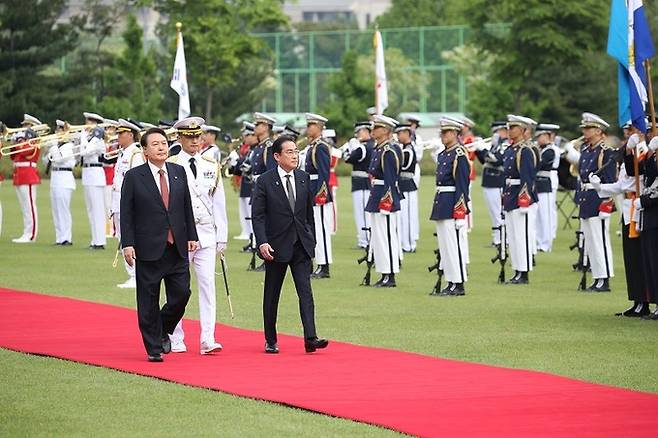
(164, 192)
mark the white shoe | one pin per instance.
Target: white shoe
(22, 239)
(241, 237)
(210, 347)
(178, 347)
(131, 283)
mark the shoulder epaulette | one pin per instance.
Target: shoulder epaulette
(461, 150)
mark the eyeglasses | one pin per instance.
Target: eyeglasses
(291, 152)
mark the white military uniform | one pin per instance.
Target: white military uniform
(209, 206)
(92, 148)
(62, 185)
(128, 158)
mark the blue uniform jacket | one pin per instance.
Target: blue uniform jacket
(360, 160)
(546, 158)
(262, 159)
(385, 172)
(593, 158)
(407, 183)
(492, 170)
(453, 169)
(520, 174)
(649, 197)
(246, 185)
(318, 163)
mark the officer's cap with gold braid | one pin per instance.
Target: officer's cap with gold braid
(467, 122)
(590, 120)
(263, 118)
(190, 126)
(317, 119)
(30, 120)
(450, 124)
(211, 128)
(247, 128)
(111, 123)
(362, 125)
(524, 122)
(546, 128)
(126, 126)
(403, 127)
(93, 116)
(382, 121)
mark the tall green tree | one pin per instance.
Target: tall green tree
(31, 40)
(220, 48)
(414, 13)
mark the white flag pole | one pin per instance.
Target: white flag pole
(381, 84)
(179, 77)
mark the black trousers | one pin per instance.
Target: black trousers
(275, 272)
(649, 242)
(153, 321)
(634, 266)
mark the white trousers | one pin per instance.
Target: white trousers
(492, 196)
(95, 202)
(109, 224)
(27, 199)
(553, 202)
(545, 222)
(452, 244)
(323, 215)
(532, 213)
(203, 261)
(244, 206)
(384, 243)
(130, 270)
(597, 246)
(60, 203)
(520, 236)
(409, 220)
(361, 218)
(334, 214)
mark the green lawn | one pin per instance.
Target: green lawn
(546, 326)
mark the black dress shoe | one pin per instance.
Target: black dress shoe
(447, 291)
(637, 310)
(96, 247)
(651, 316)
(166, 344)
(387, 280)
(600, 285)
(66, 243)
(260, 268)
(310, 345)
(271, 348)
(520, 278)
(155, 357)
(321, 272)
(459, 290)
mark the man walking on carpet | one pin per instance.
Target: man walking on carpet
(157, 233)
(282, 217)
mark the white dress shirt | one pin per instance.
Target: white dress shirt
(282, 175)
(155, 171)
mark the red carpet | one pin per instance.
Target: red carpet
(408, 392)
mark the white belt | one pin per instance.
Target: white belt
(491, 166)
(587, 186)
(378, 182)
(314, 176)
(513, 182)
(445, 189)
(360, 173)
(25, 164)
(406, 174)
(544, 173)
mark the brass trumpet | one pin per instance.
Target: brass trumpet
(24, 146)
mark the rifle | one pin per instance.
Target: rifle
(252, 249)
(368, 259)
(439, 272)
(501, 254)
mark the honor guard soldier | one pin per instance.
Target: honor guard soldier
(92, 148)
(636, 281)
(451, 206)
(61, 159)
(25, 157)
(236, 167)
(647, 206)
(596, 157)
(384, 201)
(546, 185)
(204, 178)
(209, 141)
(417, 141)
(408, 225)
(358, 153)
(130, 156)
(520, 162)
(318, 163)
(262, 159)
(493, 178)
(109, 160)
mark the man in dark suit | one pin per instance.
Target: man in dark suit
(282, 217)
(157, 232)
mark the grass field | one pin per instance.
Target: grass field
(546, 326)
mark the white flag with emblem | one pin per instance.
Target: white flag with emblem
(179, 79)
(381, 85)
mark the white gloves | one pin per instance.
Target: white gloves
(633, 141)
(637, 204)
(653, 144)
(233, 158)
(603, 215)
(524, 210)
(460, 223)
(221, 247)
(595, 181)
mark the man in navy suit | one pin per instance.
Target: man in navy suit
(282, 217)
(157, 232)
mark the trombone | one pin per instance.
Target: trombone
(6, 133)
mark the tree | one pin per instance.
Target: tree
(219, 45)
(414, 13)
(30, 42)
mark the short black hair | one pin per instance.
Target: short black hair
(277, 146)
(144, 140)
